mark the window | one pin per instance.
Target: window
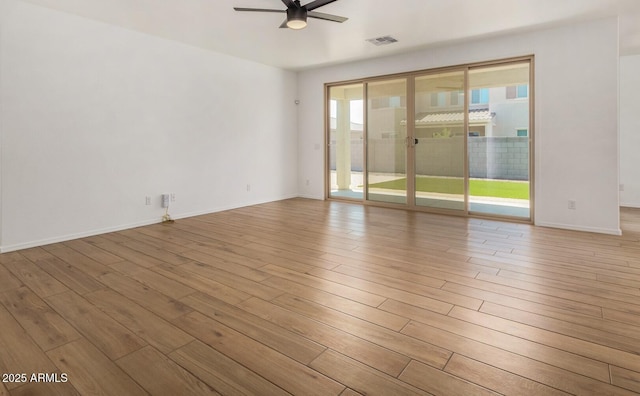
(438, 99)
(522, 132)
(480, 96)
(386, 102)
(517, 91)
(434, 99)
(523, 91)
(455, 98)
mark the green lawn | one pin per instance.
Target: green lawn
(478, 188)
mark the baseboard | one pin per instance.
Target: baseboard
(630, 205)
(597, 230)
(69, 237)
(231, 207)
(311, 196)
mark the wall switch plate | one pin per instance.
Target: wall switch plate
(572, 204)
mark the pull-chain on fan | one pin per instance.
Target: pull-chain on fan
(297, 14)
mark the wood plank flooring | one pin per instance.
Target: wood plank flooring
(307, 297)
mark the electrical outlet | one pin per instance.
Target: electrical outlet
(165, 200)
(307, 182)
(572, 204)
(622, 187)
(147, 200)
(173, 197)
(248, 187)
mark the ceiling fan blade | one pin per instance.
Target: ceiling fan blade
(317, 4)
(326, 17)
(290, 3)
(258, 9)
(284, 25)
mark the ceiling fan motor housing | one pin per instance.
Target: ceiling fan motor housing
(296, 18)
(297, 14)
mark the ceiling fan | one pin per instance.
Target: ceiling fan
(297, 14)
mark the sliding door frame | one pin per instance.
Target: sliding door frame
(410, 153)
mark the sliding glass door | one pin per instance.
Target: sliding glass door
(499, 138)
(439, 141)
(346, 141)
(454, 140)
(386, 141)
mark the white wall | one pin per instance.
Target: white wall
(95, 117)
(630, 130)
(576, 143)
(4, 12)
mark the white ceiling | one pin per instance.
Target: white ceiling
(214, 25)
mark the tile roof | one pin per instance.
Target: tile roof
(475, 115)
(437, 118)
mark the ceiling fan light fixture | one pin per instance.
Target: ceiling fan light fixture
(296, 18)
(297, 13)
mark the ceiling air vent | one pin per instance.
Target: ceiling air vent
(384, 40)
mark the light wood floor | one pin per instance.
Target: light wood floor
(326, 298)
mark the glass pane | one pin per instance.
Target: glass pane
(386, 141)
(346, 149)
(439, 130)
(498, 145)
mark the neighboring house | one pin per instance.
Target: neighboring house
(493, 112)
(497, 112)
